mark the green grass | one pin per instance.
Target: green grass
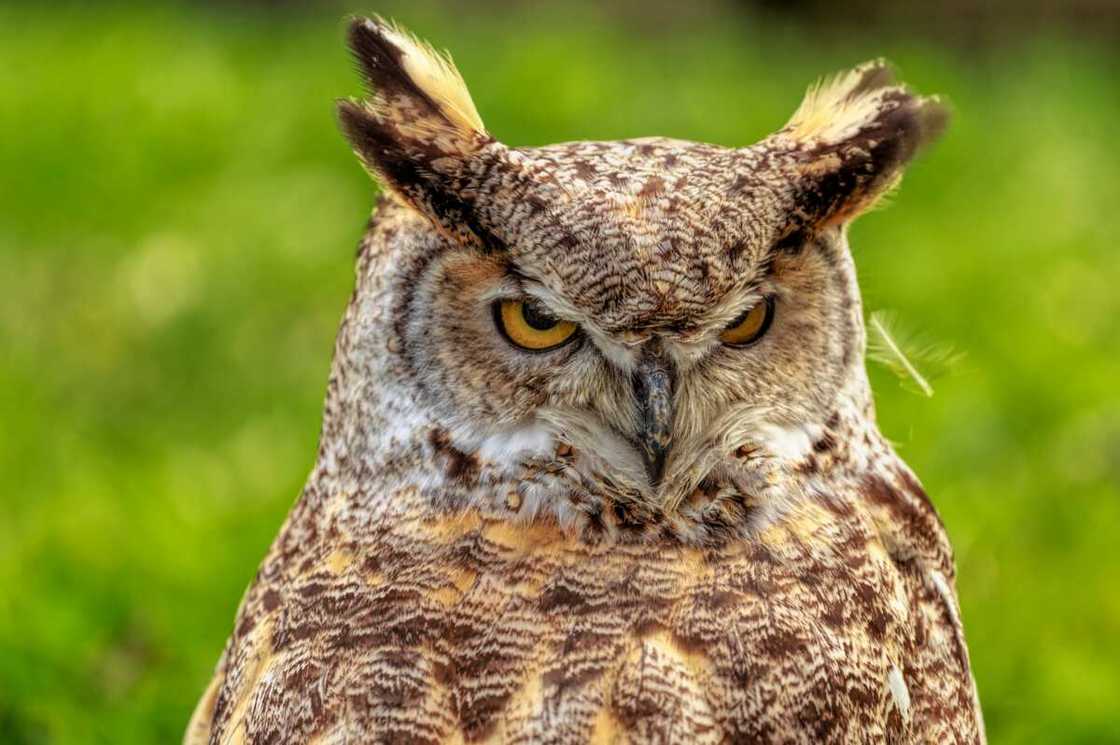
(177, 224)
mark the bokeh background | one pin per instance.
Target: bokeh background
(178, 217)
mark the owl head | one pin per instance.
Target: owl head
(667, 315)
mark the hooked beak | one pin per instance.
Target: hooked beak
(652, 383)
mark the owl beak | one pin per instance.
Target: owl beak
(652, 382)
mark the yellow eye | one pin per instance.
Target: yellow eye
(529, 326)
(749, 327)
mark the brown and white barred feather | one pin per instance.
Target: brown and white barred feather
(476, 558)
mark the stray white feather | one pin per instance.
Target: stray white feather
(905, 354)
(899, 692)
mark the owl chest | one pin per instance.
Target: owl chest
(486, 644)
(752, 660)
(467, 630)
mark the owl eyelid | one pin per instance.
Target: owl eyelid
(519, 296)
(743, 314)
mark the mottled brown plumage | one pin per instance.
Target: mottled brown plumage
(644, 534)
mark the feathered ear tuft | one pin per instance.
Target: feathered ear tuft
(852, 137)
(419, 131)
(411, 82)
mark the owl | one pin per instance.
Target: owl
(599, 460)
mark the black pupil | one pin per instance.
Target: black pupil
(537, 317)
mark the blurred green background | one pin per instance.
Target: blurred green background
(178, 216)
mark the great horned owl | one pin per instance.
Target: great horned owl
(599, 461)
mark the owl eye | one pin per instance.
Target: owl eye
(526, 324)
(749, 327)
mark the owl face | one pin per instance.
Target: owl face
(654, 305)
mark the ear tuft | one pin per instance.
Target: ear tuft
(418, 133)
(838, 108)
(852, 136)
(395, 64)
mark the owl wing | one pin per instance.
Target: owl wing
(911, 531)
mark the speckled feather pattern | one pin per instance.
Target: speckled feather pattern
(474, 557)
